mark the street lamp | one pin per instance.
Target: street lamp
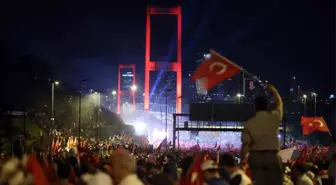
(239, 96)
(169, 89)
(133, 89)
(82, 82)
(314, 95)
(97, 94)
(53, 104)
(304, 101)
(114, 93)
(207, 55)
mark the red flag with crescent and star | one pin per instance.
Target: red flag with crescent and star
(215, 69)
(312, 124)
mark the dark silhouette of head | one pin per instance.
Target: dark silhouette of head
(261, 103)
(228, 160)
(162, 179)
(63, 170)
(185, 164)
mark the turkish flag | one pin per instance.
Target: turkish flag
(194, 175)
(302, 158)
(34, 167)
(312, 124)
(86, 157)
(214, 70)
(163, 144)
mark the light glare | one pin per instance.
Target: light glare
(207, 56)
(158, 135)
(134, 88)
(140, 127)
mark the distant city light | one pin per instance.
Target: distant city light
(304, 96)
(114, 92)
(56, 82)
(331, 96)
(239, 95)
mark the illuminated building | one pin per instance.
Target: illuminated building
(126, 85)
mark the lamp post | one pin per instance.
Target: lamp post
(97, 97)
(82, 82)
(314, 95)
(133, 89)
(239, 96)
(304, 101)
(53, 105)
(169, 89)
(114, 93)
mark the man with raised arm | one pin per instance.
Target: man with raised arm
(260, 141)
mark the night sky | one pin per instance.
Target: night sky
(87, 39)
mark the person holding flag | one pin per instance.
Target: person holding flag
(260, 141)
(260, 135)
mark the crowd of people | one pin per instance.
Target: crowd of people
(120, 162)
(127, 166)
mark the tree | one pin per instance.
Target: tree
(27, 80)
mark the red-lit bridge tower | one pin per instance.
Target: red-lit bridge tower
(175, 66)
(120, 92)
